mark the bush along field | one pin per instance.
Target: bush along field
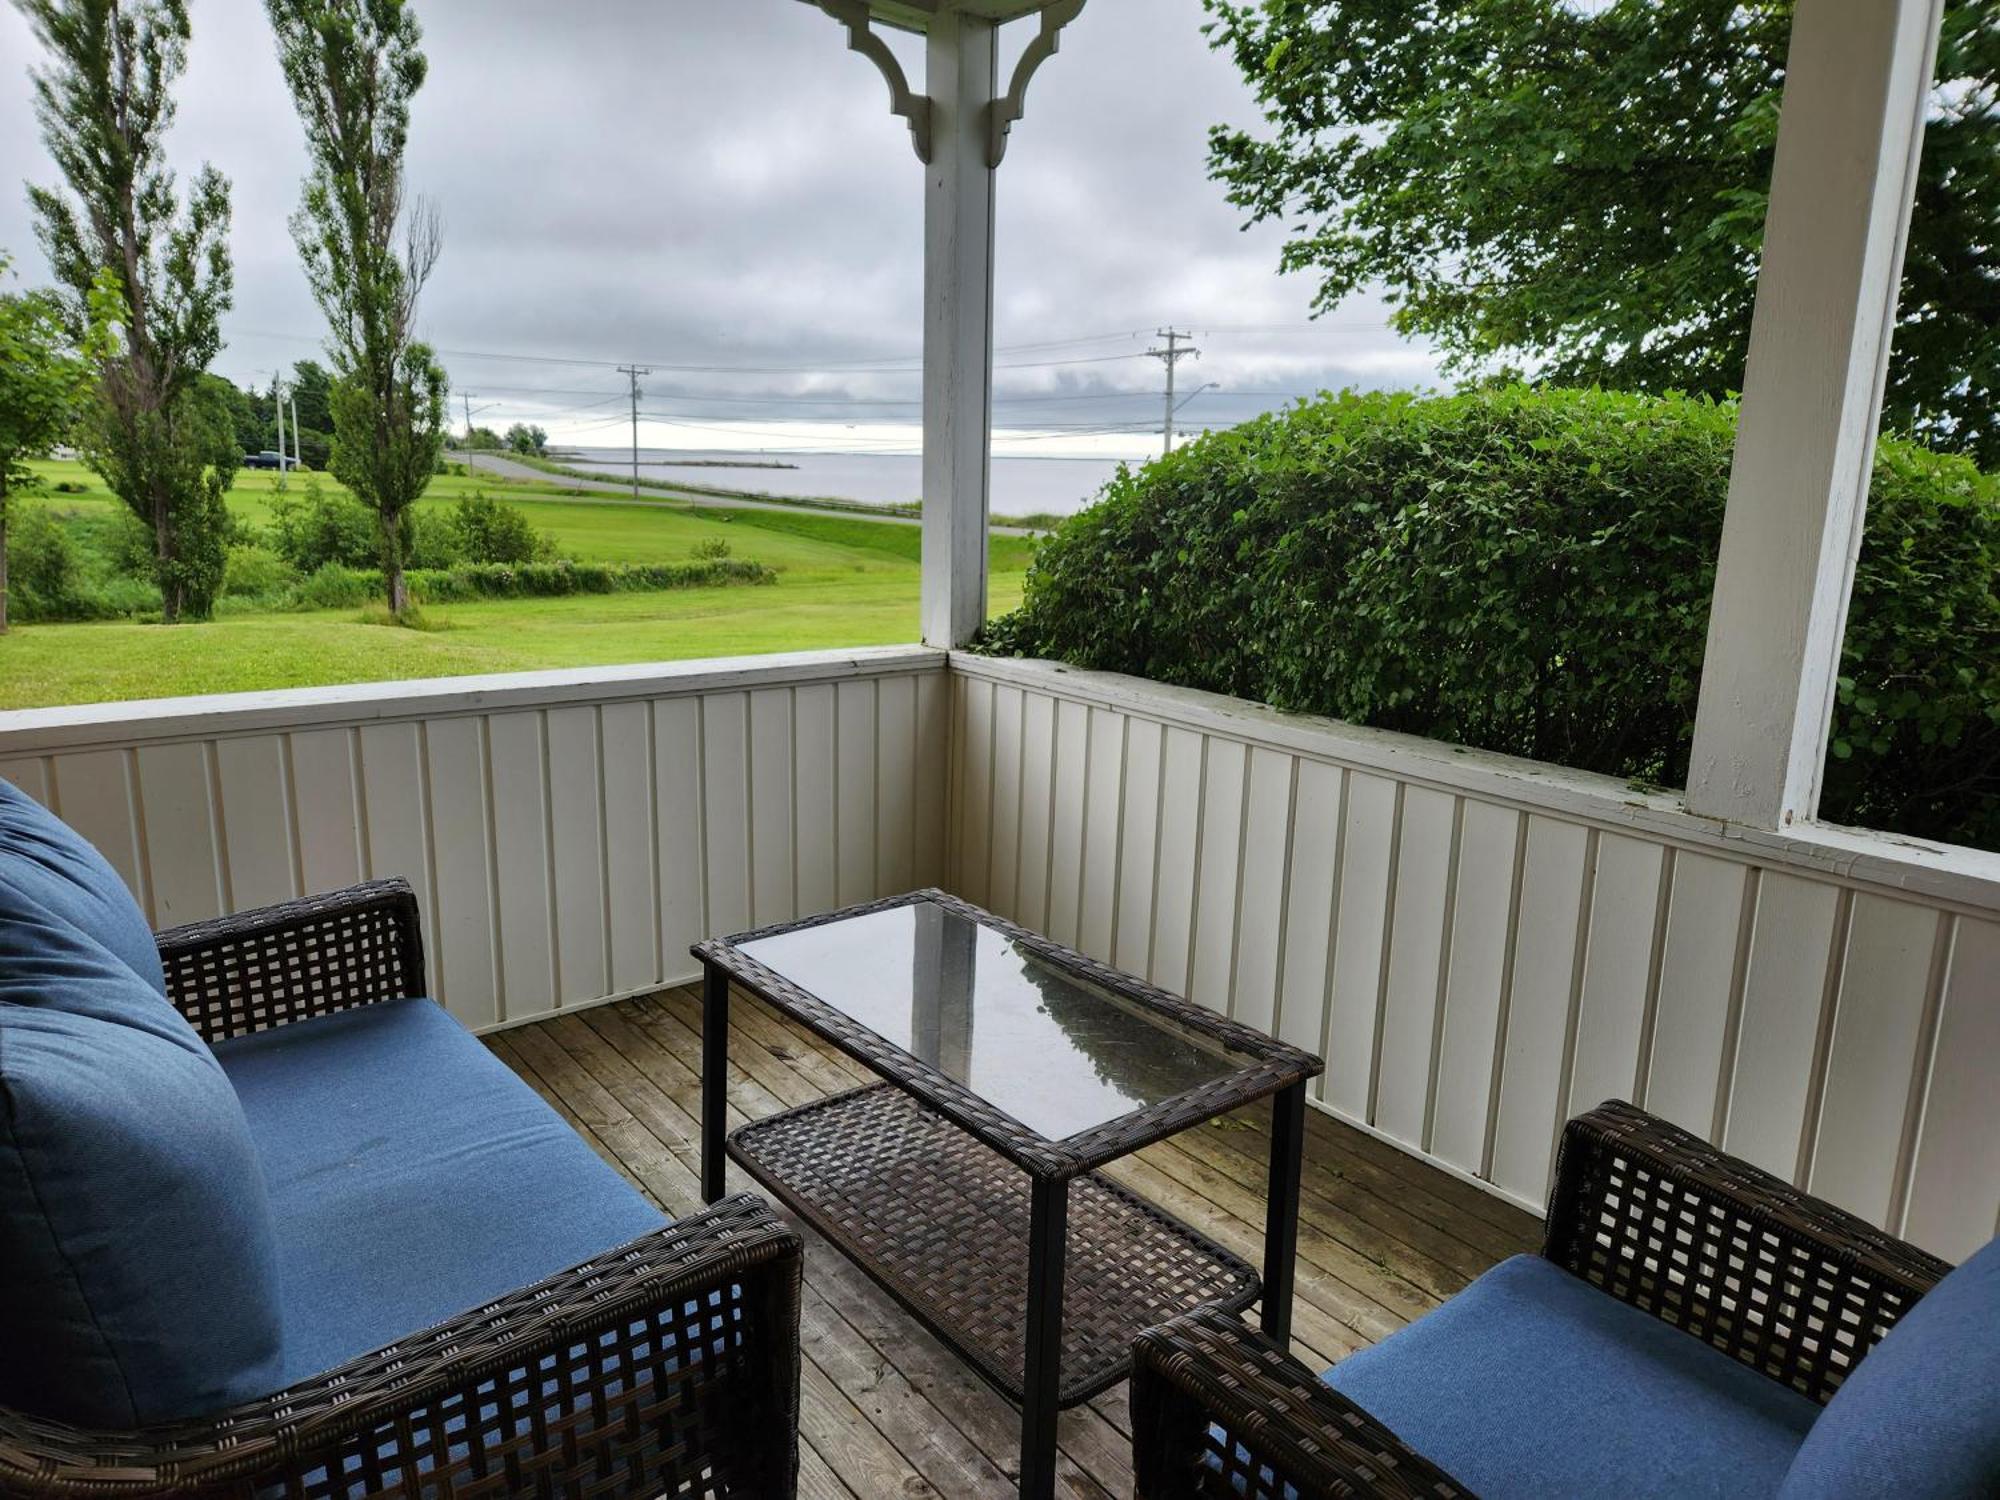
(530, 575)
(1527, 571)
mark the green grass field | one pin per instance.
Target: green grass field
(842, 582)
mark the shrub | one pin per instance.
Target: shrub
(337, 586)
(1527, 571)
(429, 539)
(492, 531)
(322, 526)
(44, 573)
(252, 570)
(711, 548)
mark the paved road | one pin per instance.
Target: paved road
(506, 468)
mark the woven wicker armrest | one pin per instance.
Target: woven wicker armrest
(1779, 1279)
(262, 968)
(670, 1366)
(1219, 1412)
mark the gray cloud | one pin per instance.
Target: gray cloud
(718, 182)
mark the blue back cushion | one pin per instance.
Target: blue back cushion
(138, 1270)
(49, 868)
(1920, 1415)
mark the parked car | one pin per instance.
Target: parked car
(270, 460)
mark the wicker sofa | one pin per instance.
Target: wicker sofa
(1693, 1326)
(271, 1226)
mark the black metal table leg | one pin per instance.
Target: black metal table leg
(1048, 1241)
(1281, 1217)
(714, 1079)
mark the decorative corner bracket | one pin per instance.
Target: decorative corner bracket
(903, 100)
(1004, 111)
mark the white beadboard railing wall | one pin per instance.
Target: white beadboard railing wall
(569, 834)
(1481, 946)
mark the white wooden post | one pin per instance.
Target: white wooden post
(958, 325)
(1849, 136)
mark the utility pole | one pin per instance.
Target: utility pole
(278, 402)
(466, 396)
(634, 372)
(1171, 356)
(298, 453)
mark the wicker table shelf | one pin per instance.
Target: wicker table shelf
(941, 1222)
(965, 1183)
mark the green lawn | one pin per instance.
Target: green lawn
(842, 582)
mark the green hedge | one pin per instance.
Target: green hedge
(1527, 571)
(337, 587)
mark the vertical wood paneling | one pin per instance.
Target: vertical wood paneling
(521, 855)
(576, 827)
(1181, 757)
(773, 851)
(184, 855)
(96, 793)
(631, 903)
(975, 789)
(1784, 993)
(1138, 843)
(726, 799)
(327, 811)
(677, 803)
(1368, 842)
(392, 779)
(30, 775)
(1038, 753)
(931, 750)
(898, 746)
(1066, 827)
(1538, 1010)
(462, 967)
(1475, 983)
(1697, 985)
(1004, 865)
(1877, 1029)
(256, 820)
(1420, 921)
(1617, 972)
(1102, 812)
(1309, 905)
(1219, 875)
(855, 707)
(813, 794)
(1954, 1194)
(1267, 837)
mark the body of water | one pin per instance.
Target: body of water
(1021, 486)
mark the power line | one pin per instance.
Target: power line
(633, 372)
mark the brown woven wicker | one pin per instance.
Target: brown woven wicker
(941, 1221)
(1787, 1283)
(669, 1366)
(1270, 1066)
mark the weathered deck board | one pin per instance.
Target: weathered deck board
(888, 1410)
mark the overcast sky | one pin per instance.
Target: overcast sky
(719, 183)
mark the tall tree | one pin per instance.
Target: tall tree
(44, 376)
(105, 101)
(353, 66)
(1583, 187)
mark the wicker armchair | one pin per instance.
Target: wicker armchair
(1644, 1212)
(609, 1378)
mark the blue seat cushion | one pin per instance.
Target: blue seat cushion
(413, 1177)
(138, 1269)
(47, 868)
(1532, 1383)
(1920, 1415)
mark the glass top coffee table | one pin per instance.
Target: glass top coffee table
(964, 1183)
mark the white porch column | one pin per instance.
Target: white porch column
(958, 325)
(1849, 136)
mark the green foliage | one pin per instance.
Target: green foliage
(1584, 186)
(44, 573)
(353, 66)
(254, 571)
(1527, 571)
(492, 531)
(323, 526)
(105, 103)
(712, 547)
(524, 438)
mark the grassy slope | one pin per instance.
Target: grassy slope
(844, 582)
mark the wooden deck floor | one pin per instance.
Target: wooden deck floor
(887, 1410)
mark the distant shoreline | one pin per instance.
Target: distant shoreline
(570, 455)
